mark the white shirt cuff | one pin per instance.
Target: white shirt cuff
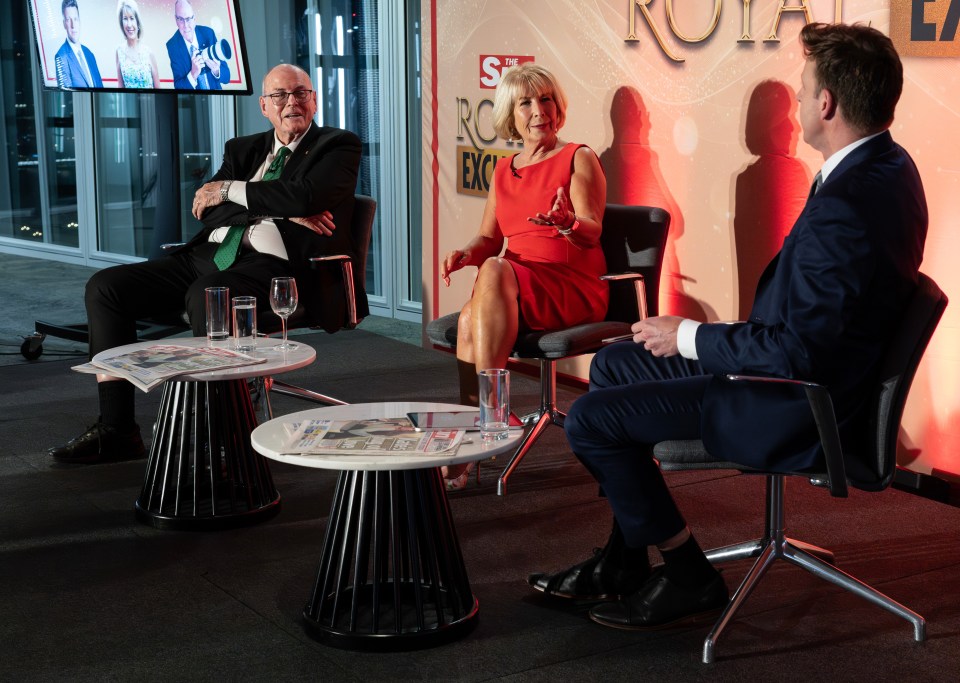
(237, 193)
(686, 337)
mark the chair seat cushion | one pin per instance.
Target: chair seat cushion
(550, 344)
(690, 455)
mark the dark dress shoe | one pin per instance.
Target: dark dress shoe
(595, 579)
(101, 443)
(660, 603)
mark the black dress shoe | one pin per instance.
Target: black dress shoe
(598, 578)
(101, 443)
(660, 603)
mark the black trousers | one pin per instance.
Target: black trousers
(635, 401)
(117, 297)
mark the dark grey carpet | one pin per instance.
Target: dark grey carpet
(87, 593)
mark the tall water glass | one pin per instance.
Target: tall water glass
(218, 313)
(245, 323)
(494, 403)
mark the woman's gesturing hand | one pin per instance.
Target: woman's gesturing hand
(452, 262)
(560, 214)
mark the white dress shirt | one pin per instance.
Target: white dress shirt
(262, 236)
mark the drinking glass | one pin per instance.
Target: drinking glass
(245, 323)
(283, 301)
(494, 403)
(218, 313)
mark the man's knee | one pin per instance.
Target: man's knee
(104, 286)
(195, 304)
(605, 366)
(579, 424)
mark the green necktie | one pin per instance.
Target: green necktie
(230, 246)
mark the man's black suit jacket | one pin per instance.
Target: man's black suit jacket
(321, 175)
(824, 311)
(180, 62)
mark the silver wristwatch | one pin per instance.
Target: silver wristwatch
(224, 189)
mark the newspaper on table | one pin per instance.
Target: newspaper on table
(378, 436)
(152, 365)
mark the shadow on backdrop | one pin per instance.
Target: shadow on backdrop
(771, 191)
(634, 178)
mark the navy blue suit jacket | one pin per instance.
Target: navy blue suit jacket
(321, 175)
(824, 310)
(69, 71)
(180, 61)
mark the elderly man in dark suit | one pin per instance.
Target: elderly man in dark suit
(192, 69)
(276, 201)
(824, 308)
(76, 65)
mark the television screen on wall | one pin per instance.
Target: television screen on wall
(141, 45)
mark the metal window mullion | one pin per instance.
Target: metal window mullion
(83, 130)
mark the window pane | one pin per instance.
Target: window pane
(61, 168)
(414, 283)
(195, 157)
(128, 139)
(32, 210)
(347, 80)
(125, 137)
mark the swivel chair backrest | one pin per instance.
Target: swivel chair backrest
(361, 232)
(634, 239)
(898, 367)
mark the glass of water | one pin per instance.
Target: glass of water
(494, 403)
(245, 323)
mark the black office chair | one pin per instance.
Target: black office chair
(156, 328)
(633, 241)
(361, 231)
(871, 471)
(147, 330)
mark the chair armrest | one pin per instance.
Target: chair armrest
(639, 286)
(821, 406)
(346, 268)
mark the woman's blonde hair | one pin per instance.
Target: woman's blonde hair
(518, 81)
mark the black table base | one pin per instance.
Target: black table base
(391, 575)
(202, 473)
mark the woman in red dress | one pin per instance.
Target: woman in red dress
(547, 203)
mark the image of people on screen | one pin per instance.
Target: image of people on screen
(197, 58)
(136, 65)
(76, 65)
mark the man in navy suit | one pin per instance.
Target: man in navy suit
(824, 308)
(76, 65)
(286, 191)
(192, 68)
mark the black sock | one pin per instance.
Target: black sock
(116, 404)
(624, 556)
(687, 566)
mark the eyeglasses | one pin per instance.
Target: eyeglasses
(186, 20)
(280, 98)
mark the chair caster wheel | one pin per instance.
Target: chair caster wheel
(32, 346)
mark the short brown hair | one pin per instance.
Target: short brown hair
(527, 78)
(861, 69)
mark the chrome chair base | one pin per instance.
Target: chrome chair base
(299, 392)
(775, 545)
(548, 414)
